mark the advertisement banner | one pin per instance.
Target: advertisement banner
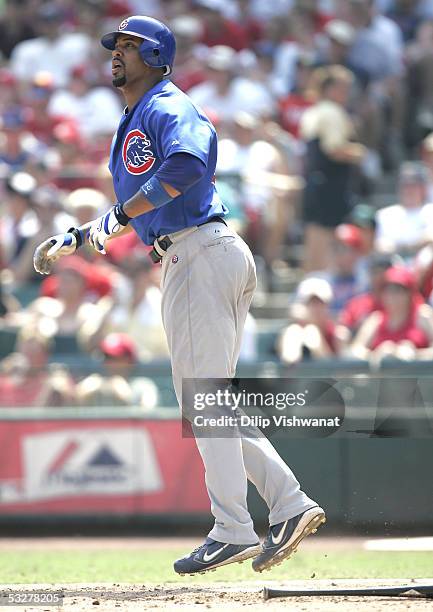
(99, 466)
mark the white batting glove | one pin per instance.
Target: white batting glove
(105, 226)
(49, 251)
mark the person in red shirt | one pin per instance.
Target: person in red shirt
(37, 119)
(26, 380)
(403, 329)
(23, 373)
(98, 279)
(361, 306)
(217, 29)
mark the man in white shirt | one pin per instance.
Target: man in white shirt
(84, 104)
(378, 46)
(53, 51)
(407, 226)
(224, 93)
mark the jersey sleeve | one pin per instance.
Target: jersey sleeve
(180, 130)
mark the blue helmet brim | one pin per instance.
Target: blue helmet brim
(109, 40)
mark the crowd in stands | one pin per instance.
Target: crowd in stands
(324, 110)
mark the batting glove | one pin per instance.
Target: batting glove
(109, 224)
(49, 251)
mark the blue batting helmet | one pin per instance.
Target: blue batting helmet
(158, 47)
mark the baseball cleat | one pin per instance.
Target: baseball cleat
(283, 539)
(212, 554)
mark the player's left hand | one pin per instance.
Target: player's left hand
(106, 226)
(49, 251)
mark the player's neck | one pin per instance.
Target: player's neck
(135, 91)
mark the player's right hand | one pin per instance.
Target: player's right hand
(49, 251)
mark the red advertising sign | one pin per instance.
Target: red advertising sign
(99, 466)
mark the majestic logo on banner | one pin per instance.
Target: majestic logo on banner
(76, 462)
(137, 156)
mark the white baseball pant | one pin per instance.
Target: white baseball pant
(208, 281)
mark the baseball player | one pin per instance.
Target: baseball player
(162, 160)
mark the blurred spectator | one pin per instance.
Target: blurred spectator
(99, 275)
(188, 69)
(78, 159)
(263, 173)
(378, 52)
(313, 334)
(23, 373)
(137, 310)
(253, 26)
(19, 222)
(224, 93)
(35, 105)
(365, 108)
(328, 132)
(293, 105)
(68, 142)
(217, 29)
(48, 203)
(70, 314)
(82, 104)
(59, 390)
(403, 329)
(407, 226)
(339, 37)
(16, 25)
(298, 41)
(51, 220)
(353, 236)
(13, 154)
(117, 387)
(54, 50)
(346, 274)
(361, 306)
(86, 204)
(363, 216)
(378, 46)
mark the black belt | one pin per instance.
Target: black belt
(164, 242)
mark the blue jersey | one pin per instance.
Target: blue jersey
(163, 122)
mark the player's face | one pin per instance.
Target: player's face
(127, 65)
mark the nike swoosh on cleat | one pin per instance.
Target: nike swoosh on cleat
(212, 556)
(277, 539)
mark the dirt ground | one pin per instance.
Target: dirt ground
(218, 596)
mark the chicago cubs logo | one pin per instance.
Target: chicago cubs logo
(123, 25)
(137, 156)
